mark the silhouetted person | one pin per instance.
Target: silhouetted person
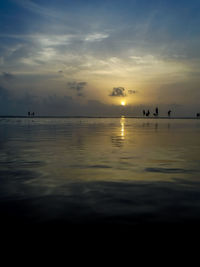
(144, 112)
(29, 114)
(33, 114)
(157, 111)
(169, 113)
(198, 114)
(148, 113)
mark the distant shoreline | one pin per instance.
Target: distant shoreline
(96, 117)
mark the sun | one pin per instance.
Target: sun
(123, 103)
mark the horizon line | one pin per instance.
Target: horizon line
(122, 116)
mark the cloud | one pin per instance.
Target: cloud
(80, 94)
(131, 92)
(96, 37)
(35, 8)
(118, 91)
(78, 87)
(6, 102)
(122, 92)
(4, 93)
(7, 76)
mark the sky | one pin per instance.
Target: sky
(86, 57)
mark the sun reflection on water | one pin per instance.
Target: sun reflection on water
(122, 122)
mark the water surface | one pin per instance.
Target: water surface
(120, 171)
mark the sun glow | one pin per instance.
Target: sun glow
(123, 103)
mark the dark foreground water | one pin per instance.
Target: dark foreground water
(93, 171)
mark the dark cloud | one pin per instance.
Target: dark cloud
(55, 105)
(11, 104)
(7, 76)
(118, 91)
(4, 93)
(6, 102)
(80, 94)
(121, 91)
(78, 87)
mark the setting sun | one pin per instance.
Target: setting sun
(123, 103)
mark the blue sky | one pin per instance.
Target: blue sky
(60, 57)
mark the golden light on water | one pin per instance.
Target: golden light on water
(122, 127)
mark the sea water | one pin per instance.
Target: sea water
(125, 171)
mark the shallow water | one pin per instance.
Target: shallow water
(99, 170)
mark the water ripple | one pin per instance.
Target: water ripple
(169, 170)
(98, 166)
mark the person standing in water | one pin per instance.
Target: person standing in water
(156, 112)
(148, 113)
(31, 114)
(169, 113)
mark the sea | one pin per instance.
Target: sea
(103, 172)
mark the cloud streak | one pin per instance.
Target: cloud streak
(35, 8)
